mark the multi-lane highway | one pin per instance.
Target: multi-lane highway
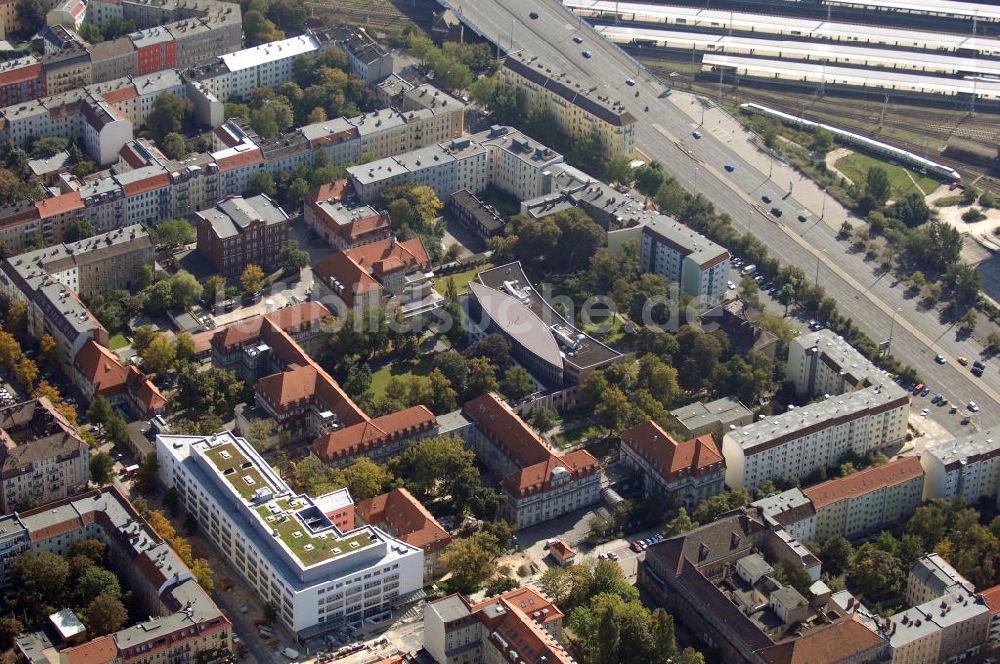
(665, 133)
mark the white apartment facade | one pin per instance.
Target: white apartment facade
(797, 442)
(301, 554)
(676, 252)
(968, 467)
(824, 363)
(867, 501)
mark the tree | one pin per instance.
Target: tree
(500, 584)
(836, 554)
(680, 524)
(482, 377)
(101, 468)
(142, 337)
(97, 581)
(364, 478)
(26, 373)
(272, 118)
(41, 580)
(17, 317)
(470, 560)
(215, 286)
(618, 169)
(92, 549)
(104, 615)
(10, 350)
(786, 296)
(614, 410)
(159, 298)
(822, 141)
(79, 229)
(30, 14)
(877, 185)
(876, 572)
(691, 656)
(159, 356)
(10, 629)
(517, 383)
(292, 258)
(184, 348)
(115, 428)
(48, 352)
(659, 378)
(170, 114)
(252, 278)
(259, 30)
(185, 289)
(203, 574)
(174, 146)
(649, 178)
(149, 470)
(261, 182)
(542, 419)
(174, 233)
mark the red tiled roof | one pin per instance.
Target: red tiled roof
(50, 207)
(386, 255)
(159, 181)
(145, 392)
(516, 440)
(670, 458)
(288, 387)
(868, 480)
(240, 159)
(529, 601)
(341, 268)
(561, 550)
(407, 518)
(98, 651)
(329, 191)
(843, 641)
(101, 368)
(992, 597)
(372, 433)
(121, 94)
(373, 223)
(21, 74)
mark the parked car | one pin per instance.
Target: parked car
(532, 15)
(963, 360)
(696, 133)
(940, 359)
(767, 199)
(578, 39)
(973, 406)
(729, 168)
(776, 211)
(587, 54)
(918, 388)
(924, 392)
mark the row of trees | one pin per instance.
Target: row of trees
(453, 64)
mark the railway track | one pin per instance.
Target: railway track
(385, 18)
(861, 117)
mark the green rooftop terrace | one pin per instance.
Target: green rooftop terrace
(237, 470)
(309, 549)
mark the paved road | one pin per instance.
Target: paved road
(664, 133)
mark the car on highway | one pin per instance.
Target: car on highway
(578, 39)
(629, 82)
(767, 199)
(696, 133)
(532, 15)
(776, 211)
(729, 167)
(587, 54)
(803, 217)
(973, 406)
(940, 359)
(963, 360)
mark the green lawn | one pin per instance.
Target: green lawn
(462, 279)
(117, 341)
(575, 436)
(421, 366)
(855, 166)
(609, 333)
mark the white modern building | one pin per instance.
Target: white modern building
(968, 467)
(801, 440)
(824, 363)
(299, 553)
(268, 65)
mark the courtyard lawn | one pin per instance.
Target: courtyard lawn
(610, 333)
(117, 341)
(577, 435)
(462, 279)
(855, 166)
(420, 366)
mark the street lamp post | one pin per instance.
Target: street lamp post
(822, 212)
